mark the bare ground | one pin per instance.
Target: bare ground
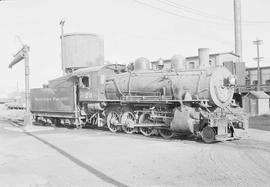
(260, 122)
(90, 157)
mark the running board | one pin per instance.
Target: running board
(147, 125)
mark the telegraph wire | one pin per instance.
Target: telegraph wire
(180, 15)
(205, 14)
(184, 17)
(193, 11)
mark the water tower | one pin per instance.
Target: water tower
(81, 50)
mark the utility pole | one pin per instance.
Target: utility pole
(258, 59)
(23, 54)
(62, 23)
(238, 29)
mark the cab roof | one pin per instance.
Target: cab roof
(86, 71)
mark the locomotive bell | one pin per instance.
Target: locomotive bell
(229, 81)
(232, 81)
(160, 64)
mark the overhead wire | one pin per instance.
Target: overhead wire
(180, 15)
(183, 16)
(205, 14)
(192, 10)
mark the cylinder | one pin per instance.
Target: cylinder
(203, 57)
(184, 120)
(96, 106)
(82, 50)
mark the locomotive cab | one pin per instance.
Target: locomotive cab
(92, 81)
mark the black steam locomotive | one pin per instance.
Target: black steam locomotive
(141, 99)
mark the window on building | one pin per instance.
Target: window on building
(247, 81)
(191, 65)
(255, 82)
(267, 82)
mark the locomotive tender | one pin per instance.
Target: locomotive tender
(140, 99)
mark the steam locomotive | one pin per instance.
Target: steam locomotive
(140, 99)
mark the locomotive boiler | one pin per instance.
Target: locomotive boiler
(141, 99)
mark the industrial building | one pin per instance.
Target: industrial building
(192, 62)
(228, 59)
(252, 78)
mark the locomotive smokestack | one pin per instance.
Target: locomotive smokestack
(203, 57)
(238, 29)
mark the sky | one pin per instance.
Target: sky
(131, 28)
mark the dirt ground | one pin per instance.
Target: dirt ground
(260, 122)
(90, 157)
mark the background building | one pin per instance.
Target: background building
(228, 59)
(252, 79)
(256, 103)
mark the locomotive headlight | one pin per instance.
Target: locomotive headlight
(232, 81)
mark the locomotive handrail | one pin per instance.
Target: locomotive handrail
(129, 80)
(116, 85)
(157, 99)
(247, 88)
(134, 93)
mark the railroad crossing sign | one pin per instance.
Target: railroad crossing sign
(23, 54)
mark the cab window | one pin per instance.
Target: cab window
(85, 82)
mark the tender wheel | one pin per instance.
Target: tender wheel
(208, 134)
(48, 122)
(73, 124)
(41, 121)
(146, 131)
(113, 121)
(128, 120)
(57, 122)
(67, 123)
(166, 133)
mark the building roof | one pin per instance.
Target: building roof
(192, 57)
(215, 54)
(86, 71)
(259, 94)
(255, 68)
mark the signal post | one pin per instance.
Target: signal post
(23, 54)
